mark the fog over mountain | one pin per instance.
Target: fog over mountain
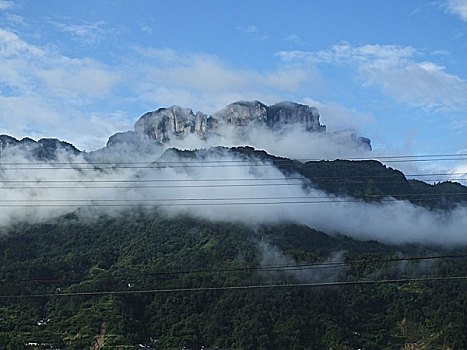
(286, 129)
(49, 178)
(253, 123)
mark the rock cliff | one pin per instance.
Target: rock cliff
(166, 124)
(169, 123)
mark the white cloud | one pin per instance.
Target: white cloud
(29, 68)
(51, 94)
(207, 83)
(253, 30)
(344, 51)
(392, 52)
(89, 33)
(295, 39)
(84, 78)
(12, 45)
(5, 5)
(337, 117)
(36, 117)
(457, 7)
(58, 88)
(45, 94)
(421, 84)
(146, 28)
(395, 70)
(403, 221)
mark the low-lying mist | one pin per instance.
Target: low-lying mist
(219, 187)
(291, 141)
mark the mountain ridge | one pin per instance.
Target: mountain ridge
(168, 124)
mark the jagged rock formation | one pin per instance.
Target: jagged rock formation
(275, 116)
(165, 123)
(44, 149)
(168, 123)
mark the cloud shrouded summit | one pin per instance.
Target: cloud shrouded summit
(287, 128)
(167, 124)
(96, 183)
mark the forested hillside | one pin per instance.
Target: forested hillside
(142, 251)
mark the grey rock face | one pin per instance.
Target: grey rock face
(285, 113)
(242, 113)
(168, 123)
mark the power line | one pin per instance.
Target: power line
(305, 182)
(136, 201)
(264, 268)
(247, 287)
(160, 165)
(274, 159)
(279, 268)
(191, 204)
(153, 186)
(155, 180)
(136, 186)
(234, 179)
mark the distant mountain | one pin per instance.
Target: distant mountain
(175, 123)
(44, 149)
(167, 124)
(137, 275)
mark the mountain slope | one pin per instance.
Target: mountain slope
(135, 252)
(368, 179)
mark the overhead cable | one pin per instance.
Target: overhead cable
(262, 268)
(247, 287)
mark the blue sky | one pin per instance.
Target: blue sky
(395, 71)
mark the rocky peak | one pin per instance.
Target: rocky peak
(242, 113)
(168, 123)
(284, 113)
(174, 121)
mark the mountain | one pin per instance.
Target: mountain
(44, 149)
(167, 124)
(189, 250)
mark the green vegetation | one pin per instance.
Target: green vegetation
(124, 253)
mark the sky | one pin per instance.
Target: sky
(394, 71)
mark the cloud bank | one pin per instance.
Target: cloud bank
(396, 70)
(214, 187)
(457, 7)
